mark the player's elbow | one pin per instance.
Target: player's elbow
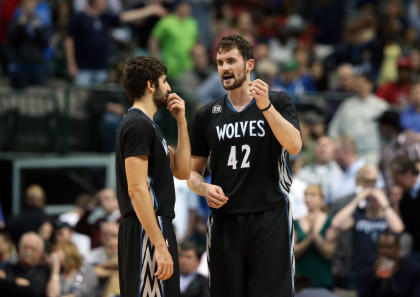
(183, 175)
(295, 147)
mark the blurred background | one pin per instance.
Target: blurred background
(352, 67)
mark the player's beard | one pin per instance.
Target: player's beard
(237, 81)
(159, 98)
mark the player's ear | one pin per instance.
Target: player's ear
(250, 65)
(150, 87)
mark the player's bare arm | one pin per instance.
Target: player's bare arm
(181, 156)
(136, 172)
(214, 195)
(286, 134)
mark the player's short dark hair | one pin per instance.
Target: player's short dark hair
(138, 71)
(402, 164)
(229, 42)
(189, 245)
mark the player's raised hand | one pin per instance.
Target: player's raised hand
(215, 196)
(259, 90)
(176, 107)
(165, 265)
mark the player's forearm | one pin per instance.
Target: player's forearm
(197, 184)
(143, 206)
(183, 153)
(286, 134)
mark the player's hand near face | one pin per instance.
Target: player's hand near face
(165, 265)
(176, 107)
(259, 90)
(215, 196)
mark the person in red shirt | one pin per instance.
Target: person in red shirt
(396, 93)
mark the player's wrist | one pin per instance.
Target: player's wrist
(266, 106)
(182, 121)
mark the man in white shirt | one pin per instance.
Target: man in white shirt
(356, 118)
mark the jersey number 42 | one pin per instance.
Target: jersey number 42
(232, 160)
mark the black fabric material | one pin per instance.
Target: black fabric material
(37, 276)
(249, 255)
(199, 287)
(130, 250)
(409, 210)
(139, 135)
(247, 161)
(91, 39)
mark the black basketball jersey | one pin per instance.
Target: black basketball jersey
(139, 135)
(246, 159)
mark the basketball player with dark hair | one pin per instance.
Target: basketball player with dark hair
(249, 134)
(145, 165)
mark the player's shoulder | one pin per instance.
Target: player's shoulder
(212, 108)
(279, 98)
(136, 119)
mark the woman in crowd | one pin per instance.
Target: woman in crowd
(70, 277)
(313, 251)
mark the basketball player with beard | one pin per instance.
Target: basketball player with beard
(145, 166)
(249, 134)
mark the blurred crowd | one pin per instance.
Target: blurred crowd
(356, 186)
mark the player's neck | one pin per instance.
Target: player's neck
(239, 97)
(146, 105)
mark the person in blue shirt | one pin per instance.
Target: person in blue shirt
(410, 117)
(291, 81)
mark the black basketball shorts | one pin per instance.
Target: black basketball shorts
(251, 255)
(137, 264)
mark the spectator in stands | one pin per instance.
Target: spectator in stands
(366, 227)
(410, 117)
(46, 231)
(7, 10)
(190, 80)
(107, 210)
(324, 168)
(366, 177)
(7, 250)
(175, 35)
(391, 276)
(406, 175)
(104, 258)
(413, 14)
(312, 128)
(346, 78)
(113, 6)
(192, 283)
(344, 183)
(87, 44)
(28, 38)
(27, 277)
(390, 129)
(313, 251)
(31, 218)
(81, 206)
(186, 207)
(304, 288)
(356, 118)
(291, 81)
(397, 93)
(69, 274)
(65, 233)
(99, 255)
